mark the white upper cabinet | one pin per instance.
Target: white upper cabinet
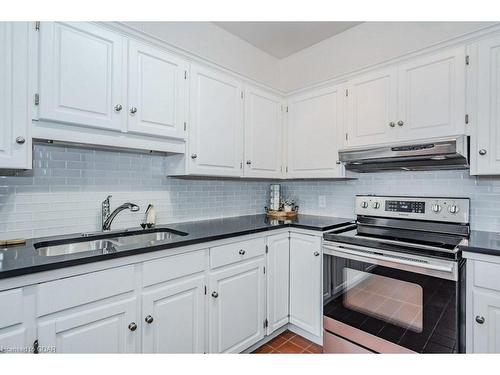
(485, 152)
(371, 108)
(263, 134)
(432, 95)
(420, 99)
(157, 89)
(216, 124)
(81, 75)
(15, 141)
(314, 132)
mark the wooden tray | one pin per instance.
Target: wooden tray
(282, 214)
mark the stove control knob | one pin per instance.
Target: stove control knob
(453, 209)
(376, 205)
(364, 204)
(436, 208)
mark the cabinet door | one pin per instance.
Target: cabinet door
(486, 154)
(263, 134)
(15, 142)
(278, 281)
(305, 282)
(314, 131)
(236, 307)
(156, 91)
(432, 96)
(177, 317)
(486, 335)
(216, 124)
(17, 316)
(99, 328)
(371, 108)
(81, 67)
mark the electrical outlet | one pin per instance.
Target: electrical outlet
(322, 201)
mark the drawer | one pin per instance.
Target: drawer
(172, 267)
(336, 344)
(11, 307)
(487, 275)
(74, 291)
(236, 252)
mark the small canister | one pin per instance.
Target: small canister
(274, 197)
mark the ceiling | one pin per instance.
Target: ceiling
(281, 39)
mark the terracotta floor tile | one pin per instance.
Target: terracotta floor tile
(289, 348)
(287, 335)
(300, 341)
(264, 349)
(277, 341)
(315, 348)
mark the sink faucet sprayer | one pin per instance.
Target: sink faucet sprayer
(107, 217)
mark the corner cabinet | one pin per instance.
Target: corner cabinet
(422, 98)
(305, 282)
(15, 139)
(314, 131)
(485, 151)
(263, 134)
(215, 124)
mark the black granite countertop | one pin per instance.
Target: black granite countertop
(25, 259)
(482, 242)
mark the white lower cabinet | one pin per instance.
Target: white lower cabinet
(237, 306)
(17, 334)
(305, 282)
(104, 327)
(278, 281)
(219, 300)
(486, 321)
(174, 317)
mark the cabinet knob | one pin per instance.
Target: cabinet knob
(338, 162)
(133, 110)
(118, 107)
(215, 294)
(316, 253)
(194, 156)
(241, 252)
(149, 319)
(249, 162)
(400, 123)
(480, 319)
(20, 140)
(392, 124)
(482, 152)
(132, 326)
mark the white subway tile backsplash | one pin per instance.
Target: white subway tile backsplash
(64, 191)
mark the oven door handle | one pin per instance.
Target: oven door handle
(392, 259)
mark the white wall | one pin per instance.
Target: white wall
(215, 44)
(364, 45)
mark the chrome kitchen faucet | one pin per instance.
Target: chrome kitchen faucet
(107, 217)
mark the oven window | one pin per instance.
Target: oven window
(395, 301)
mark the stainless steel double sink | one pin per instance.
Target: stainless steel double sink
(105, 242)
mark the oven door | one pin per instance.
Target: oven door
(387, 302)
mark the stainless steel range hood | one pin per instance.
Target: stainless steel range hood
(447, 153)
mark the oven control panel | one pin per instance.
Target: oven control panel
(454, 210)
